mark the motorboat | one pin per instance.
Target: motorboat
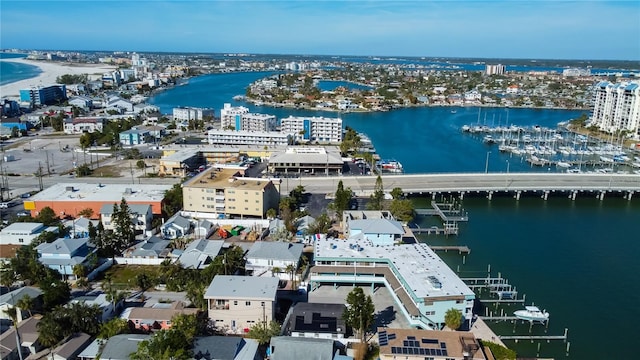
(532, 313)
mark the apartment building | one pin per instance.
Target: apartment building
(313, 129)
(82, 125)
(236, 303)
(616, 107)
(497, 69)
(191, 113)
(224, 192)
(254, 122)
(44, 95)
(229, 115)
(254, 138)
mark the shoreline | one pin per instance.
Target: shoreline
(50, 71)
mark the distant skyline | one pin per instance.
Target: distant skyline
(588, 29)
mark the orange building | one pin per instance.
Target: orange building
(69, 199)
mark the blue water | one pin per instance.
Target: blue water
(578, 260)
(12, 72)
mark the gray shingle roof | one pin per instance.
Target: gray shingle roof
(14, 296)
(62, 246)
(242, 287)
(295, 348)
(275, 251)
(120, 347)
(224, 348)
(133, 208)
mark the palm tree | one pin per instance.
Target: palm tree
(276, 270)
(291, 270)
(26, 303)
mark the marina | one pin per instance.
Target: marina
(450, 214)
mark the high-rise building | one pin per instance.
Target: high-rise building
(497, 69)
(191, 113)
(254, 122)
(44, 95)
(313, 129)
(617, 107)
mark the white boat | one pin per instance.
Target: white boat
(532, 313)
(563, 164)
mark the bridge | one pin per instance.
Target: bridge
(485, 183)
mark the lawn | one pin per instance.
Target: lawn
(124, 276)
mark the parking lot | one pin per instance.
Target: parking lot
(387, 313)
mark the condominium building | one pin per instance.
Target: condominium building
(617, 107)
(229, 115)
(82, 125)
(313, 129)
(259, 138)
(254, 122)
(191, 113)
(422, 285)
(497, 69)
(224, 192)
(236, 303)
(44, 95)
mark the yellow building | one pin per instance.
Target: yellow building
(225, 192)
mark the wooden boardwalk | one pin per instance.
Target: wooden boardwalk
(459, 249)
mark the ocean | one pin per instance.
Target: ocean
(576, 259)
(12, 72)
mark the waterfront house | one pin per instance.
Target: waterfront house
(199, 253)
(63, 254)
(236, 303)
(316, 320)
(379, 227)
(158, 317)
(263, 256)
(414, 344)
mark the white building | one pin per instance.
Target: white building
(259, 138)
(313, 129)
(497, 69)
(23, 233)
(191, 113)
(81, 125)
(617, 107)
(264, 256)
(141, 216)
(230, 115)
(254, 122)
(472, 95)
(576, 72)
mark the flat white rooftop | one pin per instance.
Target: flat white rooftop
(419, 267)
(102, 192)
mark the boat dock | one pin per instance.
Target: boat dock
(450, 214)
(459, 249)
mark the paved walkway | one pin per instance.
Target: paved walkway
(482, 331)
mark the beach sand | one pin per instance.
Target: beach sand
(50, 72)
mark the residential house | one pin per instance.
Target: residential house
(133, 137)
(151, 251)
(177, 226)
(23, 233)
(99, 299)
(119, 104)
(82, 102)
(79, 228)
(157, 317)
(302, 225)
(414, 344)
(200, 253)
(120, 347)
(28, 331)
(71, 347)
(315, 320)
(263, 256)
(63, 254)
(225, 348)
(82, 125)
(141, 216)
(293, 348)
(379, 227)
(10, 299)
(236, 303)
(204, 228)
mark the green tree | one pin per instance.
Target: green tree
(140, 164)
(291, 270)
(172, 201)
(397, 193)
(88, 213)
(359, 312)
(191, 325)
(453, 318)
(54, 292)
(195, 294)
(271, 213)
(144, 282)
(377, 198)
(79, 271)
(47, 216)
(263, 332)
(26, 303)
(402, 210)
(499, 352)
(66, 320)
(113, 327)
(321, 225)
(123, 226)
(83, 170)
(164, 345)
(342, 199)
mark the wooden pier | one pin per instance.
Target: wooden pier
(459, 249)
(447, 230)
(448, 213)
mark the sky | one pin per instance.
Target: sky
(583, 29)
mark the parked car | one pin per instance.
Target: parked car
(23, 213)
